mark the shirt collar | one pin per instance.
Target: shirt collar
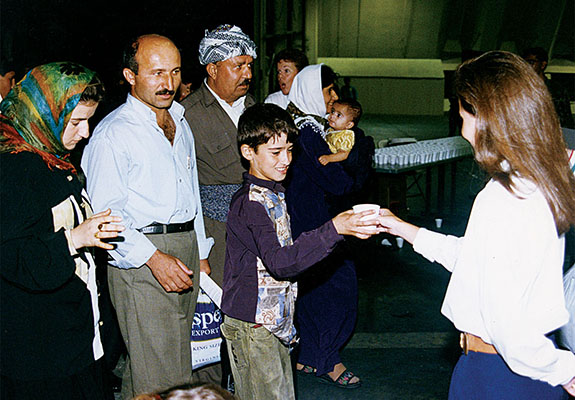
(237, 103)
(176, 109)
(271, 185)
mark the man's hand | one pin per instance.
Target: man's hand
(205, 267)
(170, 272)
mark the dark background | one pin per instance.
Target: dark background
(94, 33)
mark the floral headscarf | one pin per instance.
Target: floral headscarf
(36, 111)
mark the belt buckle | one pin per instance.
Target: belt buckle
(463, 343)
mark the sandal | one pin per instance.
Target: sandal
(307, 370)
(343, 381)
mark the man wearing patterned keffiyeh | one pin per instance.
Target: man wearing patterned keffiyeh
(228, 54)
(213, 112)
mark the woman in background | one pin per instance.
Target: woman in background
(288, 63)
(50, 340)
(506, 289)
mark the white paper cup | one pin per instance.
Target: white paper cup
(367, 207)
(438, 222)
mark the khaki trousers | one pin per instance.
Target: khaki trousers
(156, 325)
(261, 364)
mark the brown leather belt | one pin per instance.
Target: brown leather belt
(469, 342)
(156, 228)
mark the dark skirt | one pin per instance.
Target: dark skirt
(480, 376)
(326, 312)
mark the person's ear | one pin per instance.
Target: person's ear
(543, 66)
(247, 152)
(212, 70)
(349, 125)
(129, 75)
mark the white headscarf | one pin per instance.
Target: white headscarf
(306, 91)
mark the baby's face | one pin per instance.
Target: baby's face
(340, 118)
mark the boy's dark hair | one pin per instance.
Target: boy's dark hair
(262, 121)
(296, 56)
(354, 109)
(94, 92)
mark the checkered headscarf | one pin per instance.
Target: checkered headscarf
(225, 42)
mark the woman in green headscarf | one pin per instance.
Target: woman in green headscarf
(49, 318)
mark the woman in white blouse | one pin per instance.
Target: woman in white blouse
(505, 292)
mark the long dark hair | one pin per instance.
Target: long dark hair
(517, 128)
(327, 76)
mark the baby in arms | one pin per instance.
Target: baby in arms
(340, 137)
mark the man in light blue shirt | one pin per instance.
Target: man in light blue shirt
(141, 163)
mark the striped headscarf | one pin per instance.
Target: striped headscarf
(36, 111)
(225, 42)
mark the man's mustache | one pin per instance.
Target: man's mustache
(245, 82)
(166, 91)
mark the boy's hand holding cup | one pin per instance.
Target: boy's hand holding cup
(361, 222)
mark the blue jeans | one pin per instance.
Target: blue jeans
(260, 362)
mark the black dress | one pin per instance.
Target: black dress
(47, 318)
(326, 308)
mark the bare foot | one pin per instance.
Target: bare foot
(339, 369)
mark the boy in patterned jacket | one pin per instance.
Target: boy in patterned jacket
(262, 259)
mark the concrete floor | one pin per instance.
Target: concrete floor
(403, 348)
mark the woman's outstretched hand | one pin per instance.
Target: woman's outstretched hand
(99, 226)
(389, 223)
(348, 223)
